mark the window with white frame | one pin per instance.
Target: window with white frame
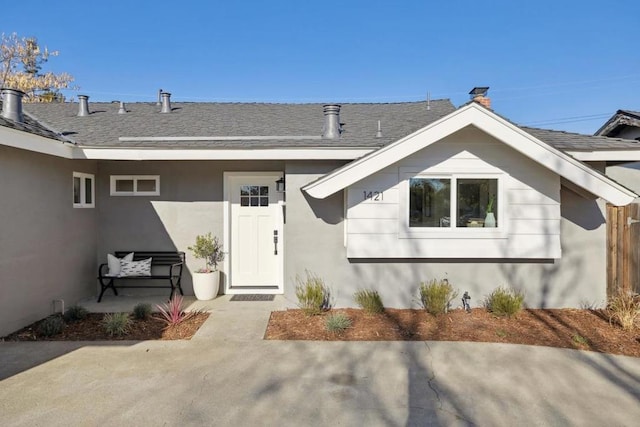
(83, 190)
(135, 185)
(452, 202)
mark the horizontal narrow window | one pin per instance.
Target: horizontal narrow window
(135, 185)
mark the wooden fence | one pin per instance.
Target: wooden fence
(623, 244)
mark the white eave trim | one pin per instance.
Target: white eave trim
(494, 125)
(607, 155)
(222, 154)
(39, 144)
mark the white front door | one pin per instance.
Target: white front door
(255, 222)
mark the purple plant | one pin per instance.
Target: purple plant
(172, 312)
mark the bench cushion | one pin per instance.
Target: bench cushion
(114, 263)
(135, 268)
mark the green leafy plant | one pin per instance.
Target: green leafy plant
(579, 340)
(337, 322)
(51, 326)
(369, 301)
(504, 302)
(492, 201)
(209, 249)
(116, 324)
(142, 311)
(313, 296)
(75, 313)
(173, 312)
(624, 309)
(436, 296)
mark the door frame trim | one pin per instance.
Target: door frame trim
(226, 209)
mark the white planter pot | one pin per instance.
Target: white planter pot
(490, 220)
(206, 285)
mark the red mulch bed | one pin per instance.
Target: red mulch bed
(91, 329)
(564, 328)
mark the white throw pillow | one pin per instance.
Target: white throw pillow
(135, 268)
(114, 263)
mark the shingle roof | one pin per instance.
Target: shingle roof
(567, 141)
(30, 125)
(103, 127)
(620, 120)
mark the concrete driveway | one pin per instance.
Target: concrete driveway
(228, 375)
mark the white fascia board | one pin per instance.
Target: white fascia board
(39, 144)
(490, 123)
(222, 154)
(607, 155)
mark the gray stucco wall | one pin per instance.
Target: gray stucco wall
(314, 236)
(47, 248)
(190, 203)
(627, 174)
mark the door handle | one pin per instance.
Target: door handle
(275, 242)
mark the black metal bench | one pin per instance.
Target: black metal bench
(164, 266)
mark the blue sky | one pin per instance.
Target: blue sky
(565, 65)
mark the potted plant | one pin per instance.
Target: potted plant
(490, 219)
(206, 281)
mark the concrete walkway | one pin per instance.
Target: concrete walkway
(228, 376)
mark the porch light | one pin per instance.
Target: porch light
(280, 185)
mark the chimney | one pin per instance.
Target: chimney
(83, 109)
(12, 104)
(166, 102)
(332, 128)
(479, 95)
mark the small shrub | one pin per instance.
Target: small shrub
(75, 313)
(624, 309)
(142, 311)
(504, 302)
(116, 324)
(337, 322)
(313, 295)
(51, 326)
(369, 301)
(173, 312)
(436, 296)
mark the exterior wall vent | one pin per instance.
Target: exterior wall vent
(83, 109)
(332, 127)
(166, 102)
(12, 104)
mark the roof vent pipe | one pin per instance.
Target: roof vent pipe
(379, 133)
(166, 102)
(122, 109)
(332, 128)
(159, 103)
(12, 104)
(83, 109)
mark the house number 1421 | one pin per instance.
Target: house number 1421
(374, 196)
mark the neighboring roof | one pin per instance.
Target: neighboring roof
(620, 120)
(486, 120)
(104, 127)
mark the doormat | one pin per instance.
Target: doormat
(252, 297)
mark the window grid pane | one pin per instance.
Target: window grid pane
(254, 195)
(76, 190)
(88, 196)
(429, 202)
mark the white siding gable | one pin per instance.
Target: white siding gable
(528, 205)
